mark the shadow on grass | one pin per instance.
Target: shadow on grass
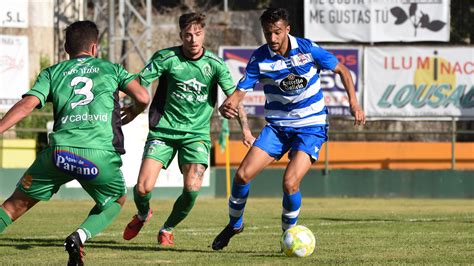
(358, 220)
(414, 220)
(28, 243)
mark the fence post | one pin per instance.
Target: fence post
(453, 144)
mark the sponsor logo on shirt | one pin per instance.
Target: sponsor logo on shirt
(75, 165)
(293, 84)
(190, 91)
(84, 117)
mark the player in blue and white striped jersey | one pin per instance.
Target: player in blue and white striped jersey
(288, 67)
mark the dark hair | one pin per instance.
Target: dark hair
(272, 15)
(80, 35)
(191, 18)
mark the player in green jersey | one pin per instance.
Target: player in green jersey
(179, 121)
(87, 140)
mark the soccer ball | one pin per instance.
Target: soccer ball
(298, 241)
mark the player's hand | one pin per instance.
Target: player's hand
(228, 110)
(248, 139)
(358, 113)
(128, 113)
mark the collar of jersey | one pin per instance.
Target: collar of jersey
(81, 56)
(293, 43)
(182, 53)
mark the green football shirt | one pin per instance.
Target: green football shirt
(186, 93)
(84, 93)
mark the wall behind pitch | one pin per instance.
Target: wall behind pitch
(363, 183)
(339, 183)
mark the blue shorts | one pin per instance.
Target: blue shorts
(276, 141)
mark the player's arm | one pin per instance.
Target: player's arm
(248, 138)
(19, 111)
(348, 83)
(230, 107)
(141, 99)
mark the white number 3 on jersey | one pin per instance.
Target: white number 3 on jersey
(86, 91)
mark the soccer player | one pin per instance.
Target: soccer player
(87, 140)
(179, 121)
(295, 111)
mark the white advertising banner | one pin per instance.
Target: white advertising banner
(436, 82)
(14, 78)
(135, 134)
(377, 20)
(14, 13)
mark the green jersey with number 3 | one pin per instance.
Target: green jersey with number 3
(186, 93)
(84, 92)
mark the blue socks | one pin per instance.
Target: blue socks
(291, 210)
(237, 201)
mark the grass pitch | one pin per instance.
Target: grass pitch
(349, 231)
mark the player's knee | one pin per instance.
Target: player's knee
(142, 189)
(290, 186)
(192, 187)
(121, 200)
(241, 177)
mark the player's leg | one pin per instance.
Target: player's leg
(99, 173)
(267, 147)
(157, 155)
(305, 146)
(193, 175)
(14, 207)
(193, 158)
(291, 203)
(254, 162)
(39, 182)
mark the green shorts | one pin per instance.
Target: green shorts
(191, 149)
(98, 172)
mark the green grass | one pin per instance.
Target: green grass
(350, 231)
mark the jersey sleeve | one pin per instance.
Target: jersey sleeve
(323, 58)
(124, 77)
(42, 88)
(225, 80)
(152, 70)
(251, 75)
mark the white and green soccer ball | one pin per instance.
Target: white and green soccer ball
(298, 241)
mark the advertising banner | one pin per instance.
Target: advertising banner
(14, 78)
(335, 95)
(377, 20)
(14, 14)
(412, 82)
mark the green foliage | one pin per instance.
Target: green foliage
(348, 231)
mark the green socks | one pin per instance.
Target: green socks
(99, 219)
(5, 220)
(142, 203)
(181, 208)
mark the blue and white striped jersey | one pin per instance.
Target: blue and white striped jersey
(291, 84)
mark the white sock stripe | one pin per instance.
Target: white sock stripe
(237, 200)
(235, 213)
(290, 214)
